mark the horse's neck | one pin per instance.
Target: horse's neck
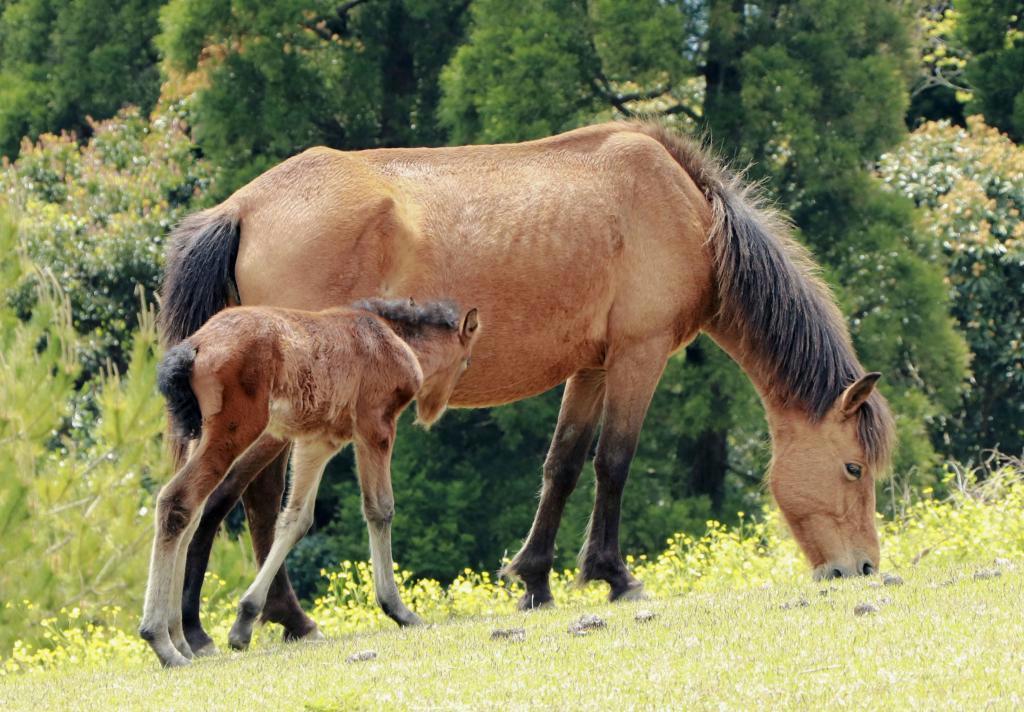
(732, 344)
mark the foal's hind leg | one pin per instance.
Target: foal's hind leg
(308, 464)
(178, 508)
(581, 408)
(248, 474)
(630, 382)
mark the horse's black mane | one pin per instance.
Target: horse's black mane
(771, 295)
(411, 319)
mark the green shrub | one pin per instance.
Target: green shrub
(95, 216)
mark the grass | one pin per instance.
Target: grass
(943, 639)
(739, 624)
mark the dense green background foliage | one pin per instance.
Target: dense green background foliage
(923, 249)
(63, 62)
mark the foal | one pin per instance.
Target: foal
(252, 379)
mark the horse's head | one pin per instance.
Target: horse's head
(443, 360)
(823, 478)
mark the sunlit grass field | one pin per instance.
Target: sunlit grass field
(944, 639)
(737, 624)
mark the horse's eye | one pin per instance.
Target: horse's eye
(853, 471)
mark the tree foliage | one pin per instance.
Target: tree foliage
(96, 215)
(993, 31)
(62, 63)
(970, 184)
(73, 530)
(275, 78)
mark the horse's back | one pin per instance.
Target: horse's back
(562, 242)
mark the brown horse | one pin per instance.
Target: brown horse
(254, 378)
(593, 256)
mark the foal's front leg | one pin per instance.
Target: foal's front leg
(373, 462)
(308, 462)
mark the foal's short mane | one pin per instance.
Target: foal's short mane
(411, 319)
(770, 294)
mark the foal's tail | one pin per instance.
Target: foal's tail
(199, 280)
(173, 379)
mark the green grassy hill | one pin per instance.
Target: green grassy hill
(946, 638)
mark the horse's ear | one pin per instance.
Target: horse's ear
(858, 392)
(470, 322)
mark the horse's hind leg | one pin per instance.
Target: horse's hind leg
(630, 382)
(308, 464)
(249, 473)
(373, 463)
(577, 419)
(262, 501)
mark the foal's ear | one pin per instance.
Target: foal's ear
(470, 323)
(855, 395)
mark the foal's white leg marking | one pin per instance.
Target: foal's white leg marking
(374, 467)
(174, 624)
(384, 575)
(308, 461)
(155, 615)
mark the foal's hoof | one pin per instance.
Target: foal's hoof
(206, 651)
(410, 620)
(313, 636)
(534, 602)
(240, 635)
(633, 591)
(174, 661)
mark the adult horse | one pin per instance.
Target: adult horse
(593, 256)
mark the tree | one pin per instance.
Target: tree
(810, 93)
(535, 68)
(61, 63)
(277, 78)
(969, 183)
(95, 216)
(993, 30)
(73, 505)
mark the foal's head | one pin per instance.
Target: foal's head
(823, 477)
(442, 340)
(443, 355)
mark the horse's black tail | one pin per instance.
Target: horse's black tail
(173, 379)
(199, 275)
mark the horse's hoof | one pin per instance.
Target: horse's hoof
(534, 602)
(634, 591)
(198, 640)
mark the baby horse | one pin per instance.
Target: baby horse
(253, 378)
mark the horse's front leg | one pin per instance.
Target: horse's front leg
(308, 464)
(261, 469)
(581, 408)
(630, 382)
(373, 445)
